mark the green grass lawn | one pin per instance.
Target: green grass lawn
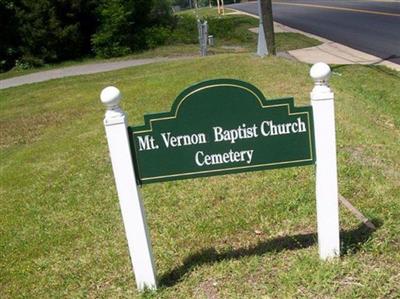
(236, 236)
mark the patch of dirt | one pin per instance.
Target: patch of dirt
(209, 289)
(28, 128)
(359, 155)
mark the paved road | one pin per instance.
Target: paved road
(369, 26)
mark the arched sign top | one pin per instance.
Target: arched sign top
(222, 126)
(202, 87)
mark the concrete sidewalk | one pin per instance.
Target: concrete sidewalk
(329, 52)
(78, 70)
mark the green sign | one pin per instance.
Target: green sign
(219, 127)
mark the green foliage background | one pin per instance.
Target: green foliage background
(34, 32)
(127, 25)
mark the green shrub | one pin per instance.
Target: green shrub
(114, 35)
(27, 62)
(231, 28)
(42, 31)
(185, 31)
(131, 25)
(157, 36)
(55, 30)
(234, 29)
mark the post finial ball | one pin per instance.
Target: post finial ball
(320, 72)
(110, 96)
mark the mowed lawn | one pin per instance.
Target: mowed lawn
(236, 236)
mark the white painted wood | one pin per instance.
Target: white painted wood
(322, 100)
(130, 200)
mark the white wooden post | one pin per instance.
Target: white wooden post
(131, 204)
(322, 100)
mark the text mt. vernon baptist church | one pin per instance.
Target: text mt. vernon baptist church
(265, 129)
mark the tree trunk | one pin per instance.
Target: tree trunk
(268, 22)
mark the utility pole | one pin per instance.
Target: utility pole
(268, 24)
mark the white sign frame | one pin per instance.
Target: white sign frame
(131, 204)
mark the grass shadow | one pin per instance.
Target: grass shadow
(351, 241)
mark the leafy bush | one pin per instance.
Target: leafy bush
(115, 32)
(157, 36)
(185, 31)
(131, 25)
(55, 30)
(161, 13)
(27, 62)
(234, 29)
(42, 31)
(231, 28)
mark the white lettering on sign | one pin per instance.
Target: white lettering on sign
(146, 143)
(268, 128)
(175, 141)
(242, 132)
(203, 159)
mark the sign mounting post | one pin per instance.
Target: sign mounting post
(130, 200)
(322, 100)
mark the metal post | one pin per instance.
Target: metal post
(131, 204)
(203, 36)
(322, 100)
(200, 31)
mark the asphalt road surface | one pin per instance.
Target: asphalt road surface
(369, 26)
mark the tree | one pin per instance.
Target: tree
(9, 34)
(55, 30)
(161, 12)
(34, 32)
(268, 22)
(129, 25)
